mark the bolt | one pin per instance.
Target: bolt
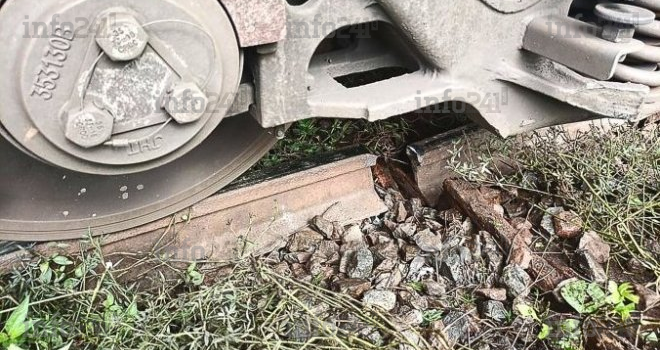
(121, 37)
(90, 127)
(280, 133)
(621, 20)
(618, 33)
(186, 102)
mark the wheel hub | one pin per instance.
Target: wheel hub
(132, 89)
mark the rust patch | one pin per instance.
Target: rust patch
(257, 22)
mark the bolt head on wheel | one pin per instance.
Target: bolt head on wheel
(121, 37)
(89, 128)
(186, 102)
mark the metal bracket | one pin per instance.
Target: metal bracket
(576, 44)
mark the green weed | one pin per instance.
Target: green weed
(316, 136)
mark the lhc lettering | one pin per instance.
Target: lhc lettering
(55, 54)
(145, 145)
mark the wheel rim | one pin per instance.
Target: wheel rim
(41, 202)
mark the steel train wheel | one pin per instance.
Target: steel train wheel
(40, 202)
(62, 179)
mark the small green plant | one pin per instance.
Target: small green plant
(193, 276)
(416, 286)
(17, 324)
(587, 299)
(623, 299)
(52, 270)
(469, 300)
(318, 279)
(509, 317)
(568, 335)
(430, 316)
(527, 311)
(590, 298)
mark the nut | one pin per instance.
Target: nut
(90, 127)
(621, 20)
(618, 33)
(186, 102)
(121, 37)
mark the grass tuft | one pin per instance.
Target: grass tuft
(315, 136)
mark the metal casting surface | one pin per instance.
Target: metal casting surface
(487, 53)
